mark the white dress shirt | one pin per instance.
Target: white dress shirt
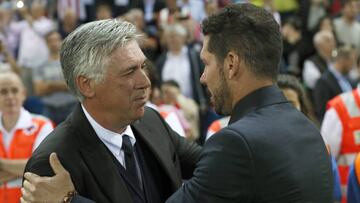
(112, 140)
(177, 67)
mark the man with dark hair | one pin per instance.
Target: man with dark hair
(269, 152)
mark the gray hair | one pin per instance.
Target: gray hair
(322, 36)
(86, 50)
(176, 28)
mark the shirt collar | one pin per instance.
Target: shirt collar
(23, 122)
(257, 99)
(111, 139)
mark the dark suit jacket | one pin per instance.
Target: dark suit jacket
(269, 153)
(92, 167)
(325, 89)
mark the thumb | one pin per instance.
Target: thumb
(55, 164)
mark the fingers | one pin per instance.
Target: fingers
(55, 164)
(26, 196)
(31, 177)
(28, 186)
(23, 201)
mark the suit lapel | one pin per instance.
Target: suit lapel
(157, 145)
(99, 161)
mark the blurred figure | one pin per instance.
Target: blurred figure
(314, 66)
(340, 129)
(296, 46)
(353, 192)
(211, 7)
(295, 93)
(50, 85)
(32, 48)
(182, 64)
(172, 96)
(154, 100)
(10, 30)
(347, 28)
(69, 23)
(76, 6)
(7, 61)
(335, 80)
(150, 45)
(20, 132)
(103, 11)
(195, 9)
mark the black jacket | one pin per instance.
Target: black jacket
(269, 153)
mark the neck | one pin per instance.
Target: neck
(105, 121)
(54, 56)
(348, 20)
(340, 68)
(249, 85)
(9, 121)
(176, 52)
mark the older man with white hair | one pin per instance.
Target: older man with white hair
(315, 65)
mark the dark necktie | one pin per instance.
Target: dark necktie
(130, 161)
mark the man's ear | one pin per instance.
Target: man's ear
(85, 86)
(232, 63)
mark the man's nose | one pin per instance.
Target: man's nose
(144, 81)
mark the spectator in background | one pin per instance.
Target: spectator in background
(69, 23)
(296, 46)
(340, 129)
(194, 8)
(335, 80)
(21, 133)
(151, 44)
(172, 95)
(103, 11)
(151, 10)
(50, 85)
(33, 51)
(154, 100)
(76, 6)
(211, 7)
(10, 30)
(314, 66)
(7, 61)
(347, 28)
(182, 64)
(295, 93)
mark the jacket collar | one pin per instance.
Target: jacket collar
(95, 154)
(255, 100)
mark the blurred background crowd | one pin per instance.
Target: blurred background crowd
(321, 44)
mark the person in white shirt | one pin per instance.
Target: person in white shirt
(314, 66)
